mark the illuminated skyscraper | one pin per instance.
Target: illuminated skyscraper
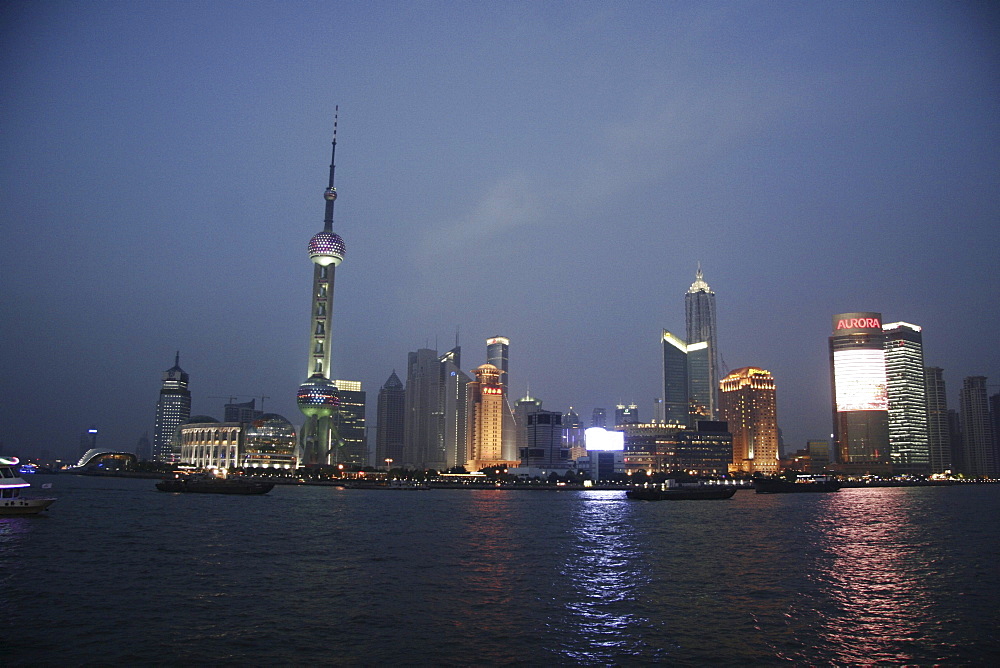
(317, 397)
(977, 429)
(687, 372)
(172, 410)
(699, 312)
(748, 403)
(907, 395)
(938, 431)
(486, 409)
(389, 435)
(860, 404)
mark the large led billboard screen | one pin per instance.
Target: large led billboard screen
(860, 380)
(599, 438)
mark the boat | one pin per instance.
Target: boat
(11, 486)
(818, 483)
(202, 483)
(681, 492)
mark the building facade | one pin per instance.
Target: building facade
(906, 391)
(172, 410)
(860, 402)
(748, 403)
(211, 444)
(317, 397)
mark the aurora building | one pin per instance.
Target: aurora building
(860, 402)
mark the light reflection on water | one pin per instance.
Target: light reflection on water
(874, 567)
(320, 576)
(604, 564)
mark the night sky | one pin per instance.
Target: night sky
(548, 171)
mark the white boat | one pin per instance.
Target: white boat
(11, 485)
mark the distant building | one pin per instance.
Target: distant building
(906, 392)
(486, 409)
(860, 403)
(598, 418)
(543, 447)
(706, 450)
(424, 433)
(819, 455)
(88, 440)
(573, 435)
(498, 354)
(522, 407)
(977, 429)
(454, 417)
(938, 431)
(748, 403)
(172, 410)
(349, 425)
(435, 415)
(269, 442)
(626, 414)
(144, 447)
(389, 434)
(699, 315)
(242, 412)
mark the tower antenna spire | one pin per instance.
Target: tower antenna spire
(331, 193)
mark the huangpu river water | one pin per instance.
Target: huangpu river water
(116, 573)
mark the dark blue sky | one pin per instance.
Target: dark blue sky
(552, 172)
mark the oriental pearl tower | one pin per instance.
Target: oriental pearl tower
(317, 397)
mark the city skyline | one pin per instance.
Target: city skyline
(814, 159)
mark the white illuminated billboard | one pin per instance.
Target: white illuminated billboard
(599, 438)
(860, 380)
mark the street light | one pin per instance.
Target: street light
(388, 465)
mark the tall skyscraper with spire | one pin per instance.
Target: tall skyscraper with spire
(317, 397)
(699, 316)
(172, 410)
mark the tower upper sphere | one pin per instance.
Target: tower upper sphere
(326, 248)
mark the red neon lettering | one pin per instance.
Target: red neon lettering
(859, 323)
